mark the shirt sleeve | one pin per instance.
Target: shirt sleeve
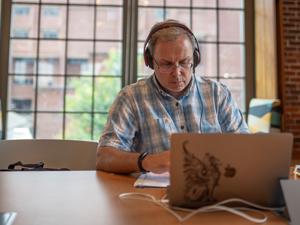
(121, 126)
(230, 116)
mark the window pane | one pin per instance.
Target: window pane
(109, 2)
(82, 1)
(81, 22)
(79, 94)
(147, 18)
(185, 3)
(204, 3)
(99, 123)
(204, 24)
(54, 1)
(53, 24)
(109, 23)
(234, 32)
(232, 61)
(208, 64)
(50, 96)
(237, 89)
(22, 56)
(80, 58)
(108, 58)
(78, 126)
(24, 21)
(181, 15)
(143, 70)
(231, 3)
(20, 94)
(26, 1)
(151, 3)
(19, 125)
(49, 125)
(106, 89)
(52, 57)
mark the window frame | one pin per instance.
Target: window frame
(129, 51)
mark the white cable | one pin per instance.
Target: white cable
(227, 209)
(150, 198)
(219, 207)
(239, 200)
(211, 208)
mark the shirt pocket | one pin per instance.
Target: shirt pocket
(158, 131)
(162, 125)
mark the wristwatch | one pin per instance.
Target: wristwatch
(141, 157)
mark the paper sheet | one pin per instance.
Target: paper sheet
(153, 180)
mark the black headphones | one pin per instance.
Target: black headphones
(166, 24)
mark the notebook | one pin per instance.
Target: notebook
(208, 168)
(291, 192)
(152, 180)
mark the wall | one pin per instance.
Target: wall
(289, 67)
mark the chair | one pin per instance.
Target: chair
(71, 154)
(264, 115)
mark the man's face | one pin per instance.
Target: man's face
(172, 62)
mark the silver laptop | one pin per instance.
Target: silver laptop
(208, 168)
(291, 192)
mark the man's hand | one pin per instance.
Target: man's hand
(157, 163)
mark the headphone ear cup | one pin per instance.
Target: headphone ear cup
(148, 59)
(197, 58)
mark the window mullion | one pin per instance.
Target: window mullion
(4, 46)
(129, 42)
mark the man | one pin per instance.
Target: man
(173, 99)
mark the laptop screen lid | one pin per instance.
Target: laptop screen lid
(208, 168)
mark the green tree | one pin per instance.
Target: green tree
(80, 98)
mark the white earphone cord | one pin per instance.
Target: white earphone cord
(220, 206)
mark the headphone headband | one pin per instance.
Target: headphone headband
(164, 25)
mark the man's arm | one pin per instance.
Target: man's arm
(117, 161)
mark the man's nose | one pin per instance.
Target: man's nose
(176, 69)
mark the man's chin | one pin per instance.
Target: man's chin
(176, 91)
(178, 88)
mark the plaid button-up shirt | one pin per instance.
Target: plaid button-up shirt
(143, 116)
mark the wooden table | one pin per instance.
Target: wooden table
(91, 198)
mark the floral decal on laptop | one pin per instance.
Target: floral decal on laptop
(202, 176)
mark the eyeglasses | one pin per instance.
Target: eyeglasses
(169, 67)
